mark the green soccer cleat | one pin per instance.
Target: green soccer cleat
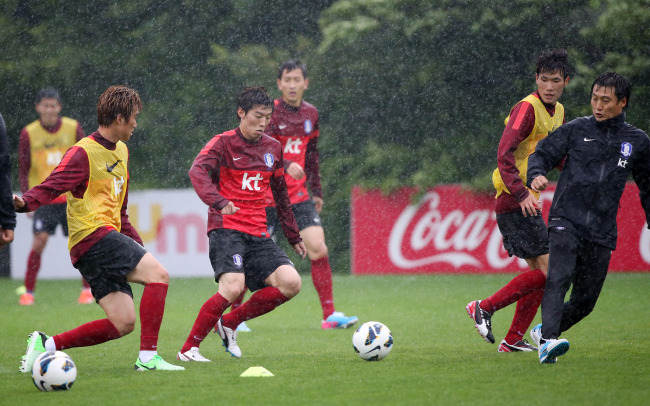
(35, 347)
(157, 364)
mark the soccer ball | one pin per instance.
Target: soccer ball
(53, 371)
(372, 341)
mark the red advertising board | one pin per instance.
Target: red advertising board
(450, 229)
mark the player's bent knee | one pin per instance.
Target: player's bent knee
(290, 287)
(124, 326)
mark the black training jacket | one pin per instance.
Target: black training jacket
(599, 159)
(7, 214)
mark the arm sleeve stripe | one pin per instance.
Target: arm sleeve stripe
(523, 111)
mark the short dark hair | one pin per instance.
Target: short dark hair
(48, 93)
(622, 87)
(291, 65)
(117, 100)
(553, 60)
(253, 96)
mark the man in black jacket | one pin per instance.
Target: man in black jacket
(601, 151)
(7, 213)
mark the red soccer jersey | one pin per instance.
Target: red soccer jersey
(297, 130)
(233, 168)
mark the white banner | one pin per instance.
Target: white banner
(172, 224)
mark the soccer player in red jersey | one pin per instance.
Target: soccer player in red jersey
(295, 125)
(41, 147)
(232, 174)
(517, 207)
(103, 244)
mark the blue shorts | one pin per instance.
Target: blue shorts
(523, 237)
(107, 263)
(237, 252)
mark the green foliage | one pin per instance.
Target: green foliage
(411, 93)
(438, 358)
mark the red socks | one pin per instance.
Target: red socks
(262, 302)
(93, 333)
(321, 275)
(518, 287)
(237, 302)
(527, 289)
(152, 307)
(524, 314)
(209, 314)
(33, 265)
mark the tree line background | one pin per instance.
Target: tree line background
(410, 92)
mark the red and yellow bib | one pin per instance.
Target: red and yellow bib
(101, 204)
(48, 148)
(544, 124)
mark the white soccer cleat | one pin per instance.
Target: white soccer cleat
(192, 354)
(229, 339)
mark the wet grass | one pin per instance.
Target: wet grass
(438, 358)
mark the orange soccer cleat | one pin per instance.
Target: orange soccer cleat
(26, 299)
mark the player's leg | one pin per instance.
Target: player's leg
(226, 251)
(234, 305)
(590, 275)
(106, 272)
(155, 278)
(523, 237)
(313, 235)
(33, 266)
(564, 245)
(282, 285)
(273, 278)
(526, 308)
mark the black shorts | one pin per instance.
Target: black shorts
(107, 263)
(46, 218)
(523, 237)
(237, 252)
(304, 212)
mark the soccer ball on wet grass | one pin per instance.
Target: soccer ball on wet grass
(372, 341)
(54, 371)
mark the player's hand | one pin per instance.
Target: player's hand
(530, 205)
(230, 208)
(6, 237)
(300, 249)
(295, 171)
(539, 184)
(19, 203)
(318, 204)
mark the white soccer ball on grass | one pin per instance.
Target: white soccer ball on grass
(372, 341)
(54, 371)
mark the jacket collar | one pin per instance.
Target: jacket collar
(613, 123)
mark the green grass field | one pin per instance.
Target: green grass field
(438, 357)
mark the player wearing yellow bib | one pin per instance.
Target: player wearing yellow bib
(104, 246)
(41, 147)
(517, 207)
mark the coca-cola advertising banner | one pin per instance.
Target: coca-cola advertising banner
(450, 229)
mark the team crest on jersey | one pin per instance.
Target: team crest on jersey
(269, 160)
(308, 126)
(626, 149)
(237, 260)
